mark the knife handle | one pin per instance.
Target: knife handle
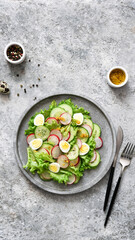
(109, 185)
(113, 200)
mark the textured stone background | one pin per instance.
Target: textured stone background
(76, 43)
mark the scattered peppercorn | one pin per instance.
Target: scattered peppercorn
(38, 65)
(17, 75)
(18, 94)
(21, 86)
(36, 85)
(25, 90)
(14, 52)
(35, 98)
(33, 85)
(29, 60)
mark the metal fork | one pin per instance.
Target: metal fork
(125, 161)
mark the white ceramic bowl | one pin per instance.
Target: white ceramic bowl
(17, 61)
(114, 85)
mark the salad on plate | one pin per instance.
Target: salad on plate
(62, 143)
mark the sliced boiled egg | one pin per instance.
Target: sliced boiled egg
(54, 167)
(39, 120)
(36, 143)
(64, 146)
(79, 118)
(84, 149)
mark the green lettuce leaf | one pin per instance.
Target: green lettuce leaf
(75, 171)
(86, 158)
(43, 156)
(45, 112)
(73, 142)
(31, 164)
(53, 125)
(37, 162)
(65, 129)
(74, 107)
(59, 177)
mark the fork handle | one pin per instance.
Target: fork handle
(113, 200)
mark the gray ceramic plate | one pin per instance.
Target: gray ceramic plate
(91, 177)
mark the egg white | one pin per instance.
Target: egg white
(64, 146)
(84, 149)
(79, 118)
(36, 143)
(54, 167)
(39, 120)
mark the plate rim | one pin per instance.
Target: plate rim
(51, 190)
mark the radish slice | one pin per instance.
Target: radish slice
(74, 162)
(79, 142)
(94, 157)
(45, 175)
(67, 137)
(51, 119)
(65, 118)
(57, 133)
(56, 152)
(63, 161)
(99, 142)
(88, 128)
(43, 150)
(53, 139)
(30, 137)
(72, 179)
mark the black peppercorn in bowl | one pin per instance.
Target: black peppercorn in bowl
(14, 53)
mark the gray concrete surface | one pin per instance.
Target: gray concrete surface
(75, 43)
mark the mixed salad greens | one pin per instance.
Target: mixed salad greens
(62, 142)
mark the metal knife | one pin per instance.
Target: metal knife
(119, 140)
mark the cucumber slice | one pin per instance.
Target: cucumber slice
(56, 112)
(42, 132)
(96, 162)
(72, 134)
(47, 146)
(73, 153)
(89, 122)
(67, 108)
(82, 134)
(96, 131)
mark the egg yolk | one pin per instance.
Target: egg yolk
(84, 149)
(65, 145)
(39, 120)
(36, 144)
(78, 121)
(53, 168)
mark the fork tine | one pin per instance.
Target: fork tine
(131, 151)
(128, 152)
(125, 149)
